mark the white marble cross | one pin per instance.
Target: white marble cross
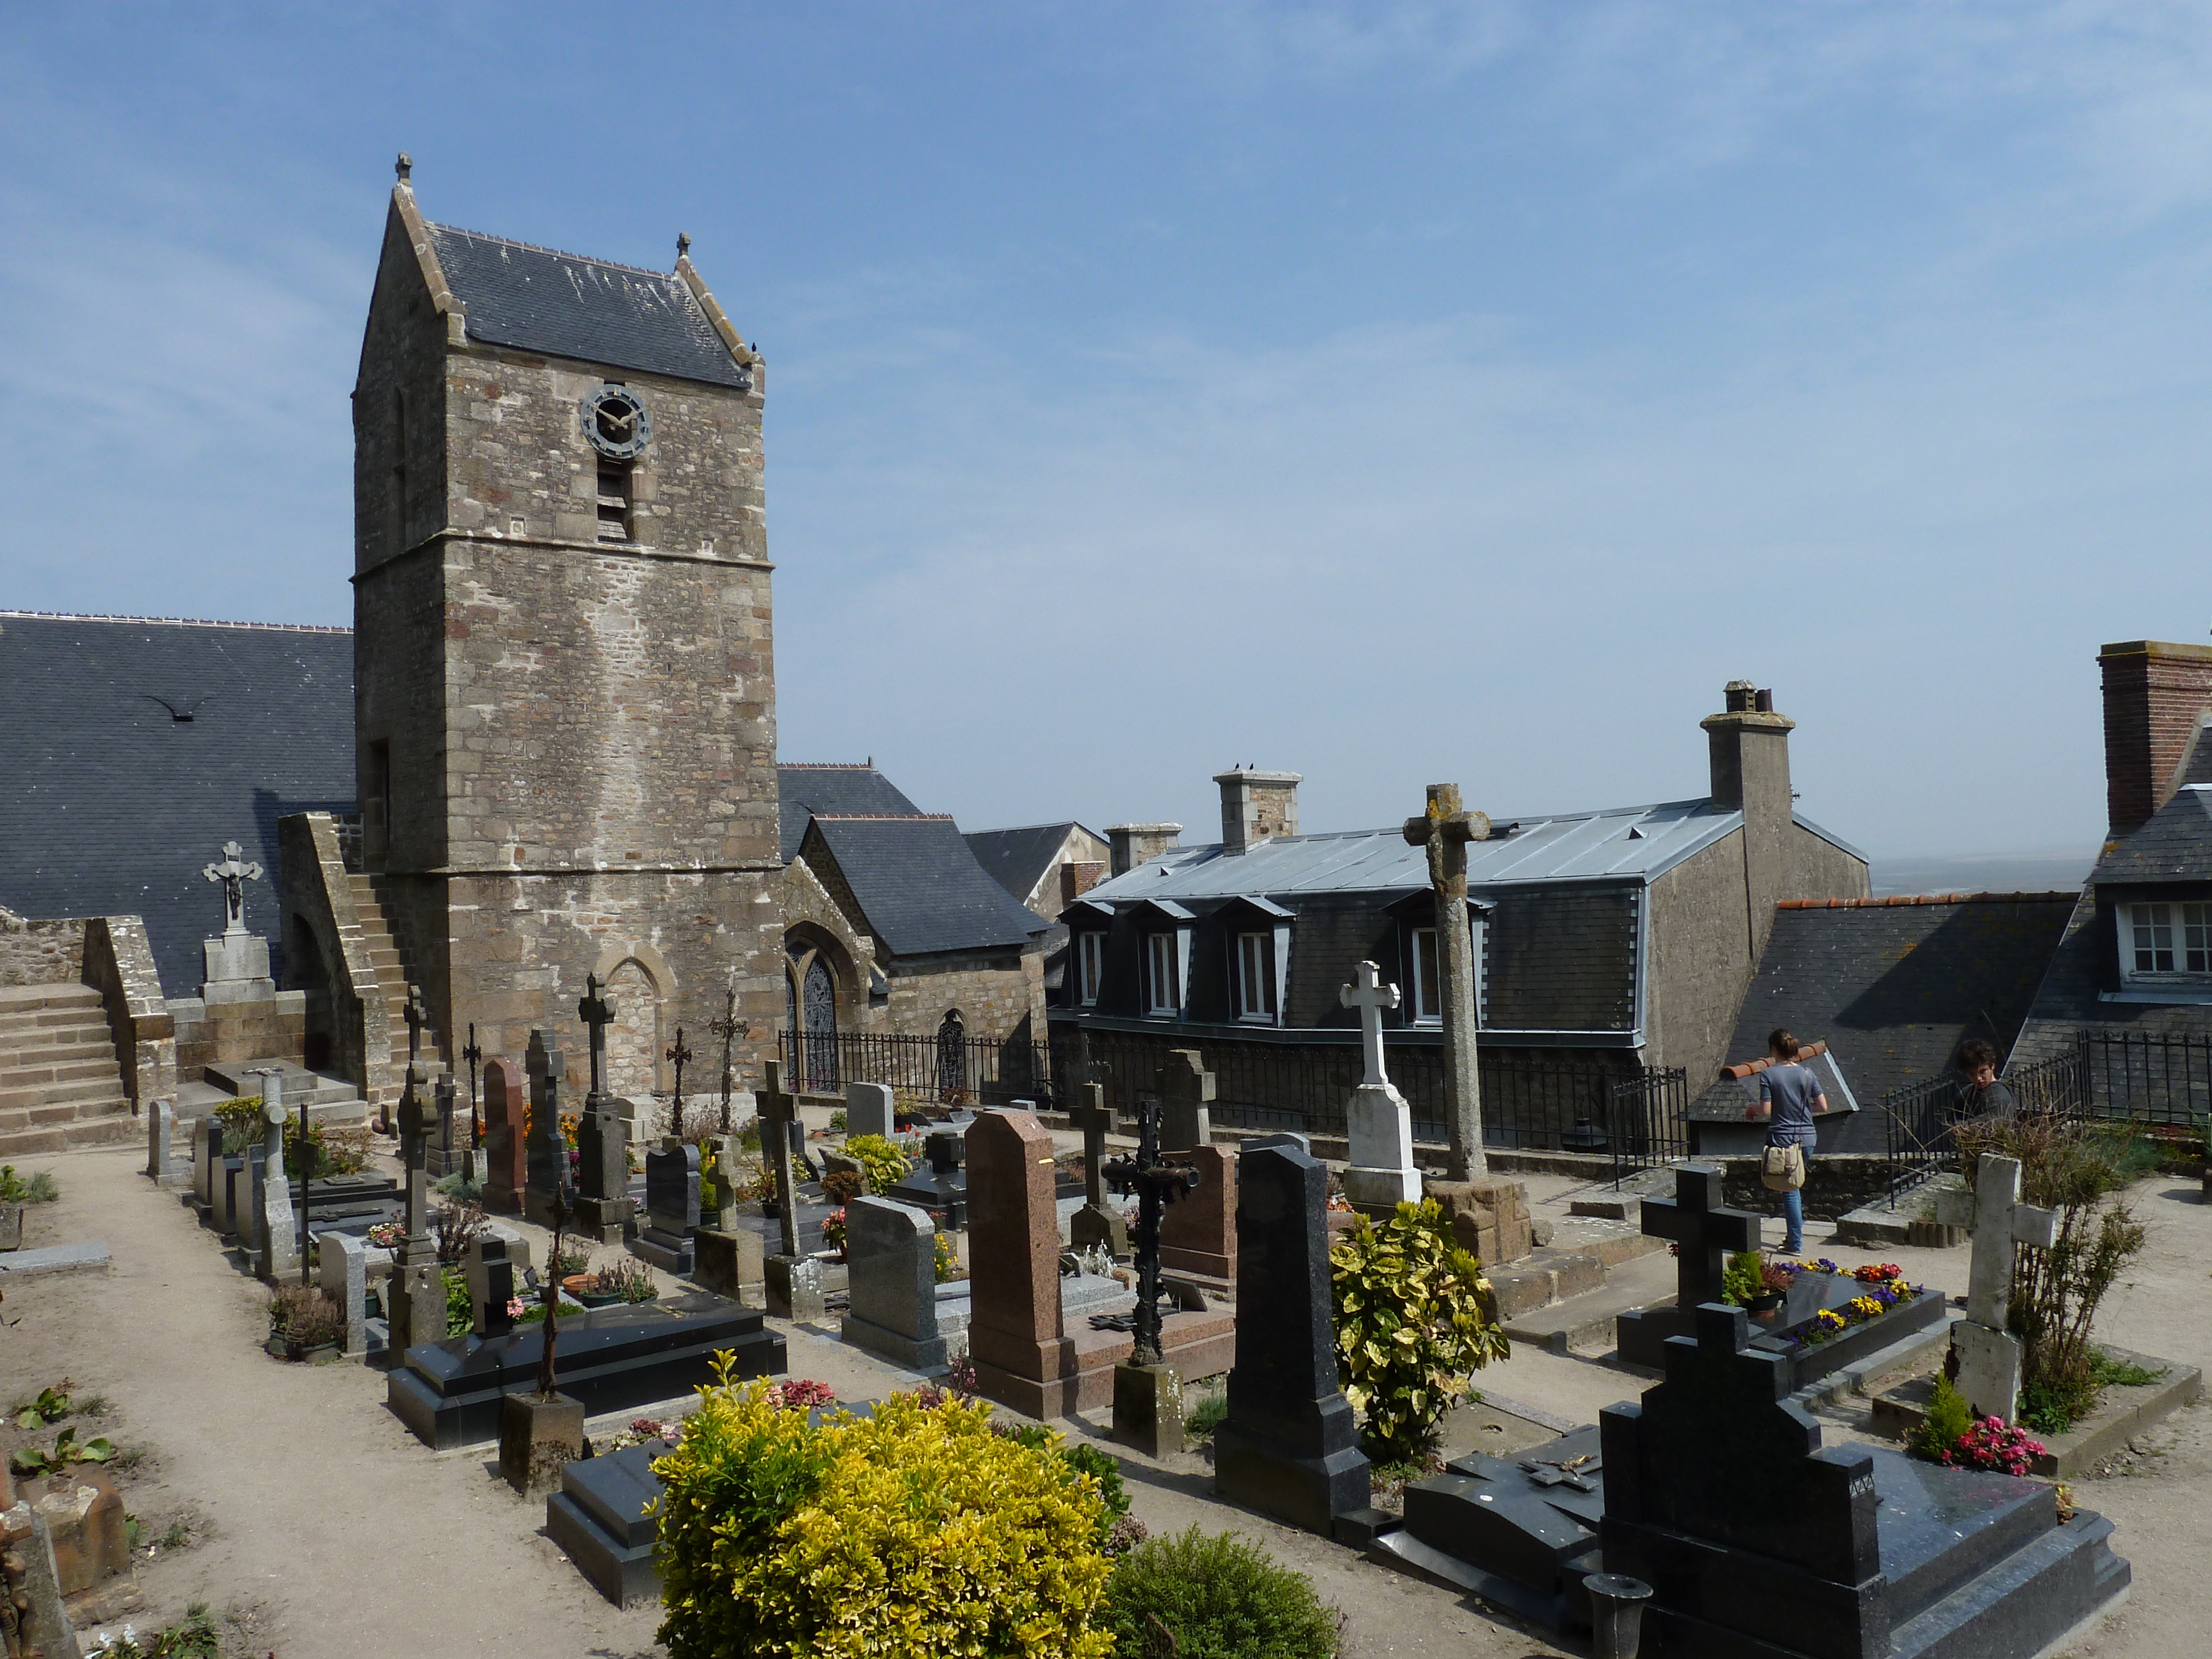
(234, 872)
(1988, 1354)
(1371, 996)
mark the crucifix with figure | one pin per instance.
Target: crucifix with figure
(233, 871)
(472, 1055)
(1445, 829)
(1988, 1354)
(728, 1027)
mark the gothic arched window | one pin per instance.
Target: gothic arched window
(818, 1007)
(952, 1057)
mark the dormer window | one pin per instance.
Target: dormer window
(1089, 967)
(1163, 975)
(1428, 999)
(1255, 977)
(2164, 942)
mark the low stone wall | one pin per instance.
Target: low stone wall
(118, 963)
(41, 952)
(259, 1028)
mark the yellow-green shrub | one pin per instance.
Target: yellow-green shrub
(884, 1165)
(912, 1533)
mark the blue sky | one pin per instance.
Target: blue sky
(1387, 393)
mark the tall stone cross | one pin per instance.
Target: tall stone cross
(1445, 829)
(1098, 1223)
(1370, 997)
(1704, 1233)
(596, 1014)
(1988, 1354)
(777, 1109)
(233, 871)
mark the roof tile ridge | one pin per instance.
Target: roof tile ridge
(1898, 900)
(825, 766)
(880, 817)
(176, 622)
(557, 253)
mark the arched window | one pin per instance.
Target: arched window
(819, 1008)
(952, 1057)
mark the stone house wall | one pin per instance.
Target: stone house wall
(998, 996)
(50, 952)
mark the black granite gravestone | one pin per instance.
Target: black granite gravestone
(1761, 1544)
(599, 1518)
(672, 1207)
(1704, 1235)
(545, 1147)
(1289, 1446)
(939, 1185)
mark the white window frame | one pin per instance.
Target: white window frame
(1257, 1002)
(1089, 967)
(2175, 935)
(1419, 1010)
(1164, 951)
(1425, 946)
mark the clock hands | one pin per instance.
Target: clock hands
(609, 418)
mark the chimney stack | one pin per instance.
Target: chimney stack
(1257, 806)
(1750, 755)
(1139, 843)
(2155, 695)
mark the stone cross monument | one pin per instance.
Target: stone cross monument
(1988, 1354)
(1445, 829)
(794, 1282)
(602, 1208)
(234, 872)
(418, 1311)
(1380, 1125)
(1097, 1224)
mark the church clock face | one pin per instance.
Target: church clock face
(615, 423)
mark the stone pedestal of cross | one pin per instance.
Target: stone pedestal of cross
(1704, 1234)
(1989, 1355)
(1445, 830)
(1098, 1224)
(279, 1241)
(1379, 1124)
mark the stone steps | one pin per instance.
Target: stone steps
(61, 1085)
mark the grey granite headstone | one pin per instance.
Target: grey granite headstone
(1289, 1446)
(160, 1126)
(342, 1259)
(545, 1149)
(672, 1207)
(206, 1159)
(868, 1109)
(891, 1252)
(45, 1622)
(277, 1229)
(719, 1167)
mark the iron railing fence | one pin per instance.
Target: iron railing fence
(1648, 1124)
(2159, 1079)
(1920, 1117)
(922, 1070)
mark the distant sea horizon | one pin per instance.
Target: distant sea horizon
(2046, 872)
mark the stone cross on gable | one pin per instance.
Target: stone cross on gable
(1445, 828)
(778, 1109)
(1370, 997)
(597, 1015)
(1989, 1355)
(1704, 1233)
(233, 871)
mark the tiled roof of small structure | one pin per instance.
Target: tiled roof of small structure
(804, 788)
(537, 299)
(919, 886)
(1018, 858)
(134, 747)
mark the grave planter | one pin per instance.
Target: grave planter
(539, 1434)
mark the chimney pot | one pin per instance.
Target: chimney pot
(1763, 702)
(1133, 844)
(1256, 806)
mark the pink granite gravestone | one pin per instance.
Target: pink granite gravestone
(506, 1102)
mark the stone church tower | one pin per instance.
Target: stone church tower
(565, 695)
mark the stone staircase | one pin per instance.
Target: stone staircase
(61, 1084)
(392, 978)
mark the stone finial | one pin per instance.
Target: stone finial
(683, 244)
(403, 168)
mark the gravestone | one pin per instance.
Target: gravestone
(207, 1160)
(868, 1109)
(545, 1148)
(1378, 1124)
(491, 1287)
(730, 1263)
(719, 1177)
(1989, 1357)
(603, 1518)
(162, 1165)
(41, 1621)
(1760, 1543)
(235, 1213)
(443, 1157)
(415, 1303)
(672, 1207)
(276, 1231)
(342, 1261)
(505, 1112)
(891, 1252)
(1704, 1234)
(1289, 1447)
(1098, 1224)
(939, 1185)
(1198, 1234)
(605, 1210)
(1186, 1090)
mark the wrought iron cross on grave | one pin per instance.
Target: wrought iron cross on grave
(472, 1055)
(679, 1055)
(727, 1029)
(1157, 1183)
(598, 1016)
(233, 871)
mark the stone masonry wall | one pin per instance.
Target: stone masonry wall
(1002, 997)
(42, 952)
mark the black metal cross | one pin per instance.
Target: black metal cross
(472, 1055)
(1156, 1185)
(679, 1053)
(303, 1158)
(1704, 1234)
(547, 1382)
(595, 1014)
(727, 1029)
(417, 1018)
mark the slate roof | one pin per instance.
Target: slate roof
(920, 887)
(536, 299)
(1020, 858)
(110, 805)
(1622, 843)
(2174, 845)
(803, 790)
(1894, 986)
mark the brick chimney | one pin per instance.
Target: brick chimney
(1257, 806)
(1077, 877)
(2154, 696)
(1134, 844)
(1750, 752)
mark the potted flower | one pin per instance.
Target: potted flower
(832, 1231)
(1774, 1282)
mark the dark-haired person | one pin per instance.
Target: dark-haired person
(1789, 1094)
(1984, 1096)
